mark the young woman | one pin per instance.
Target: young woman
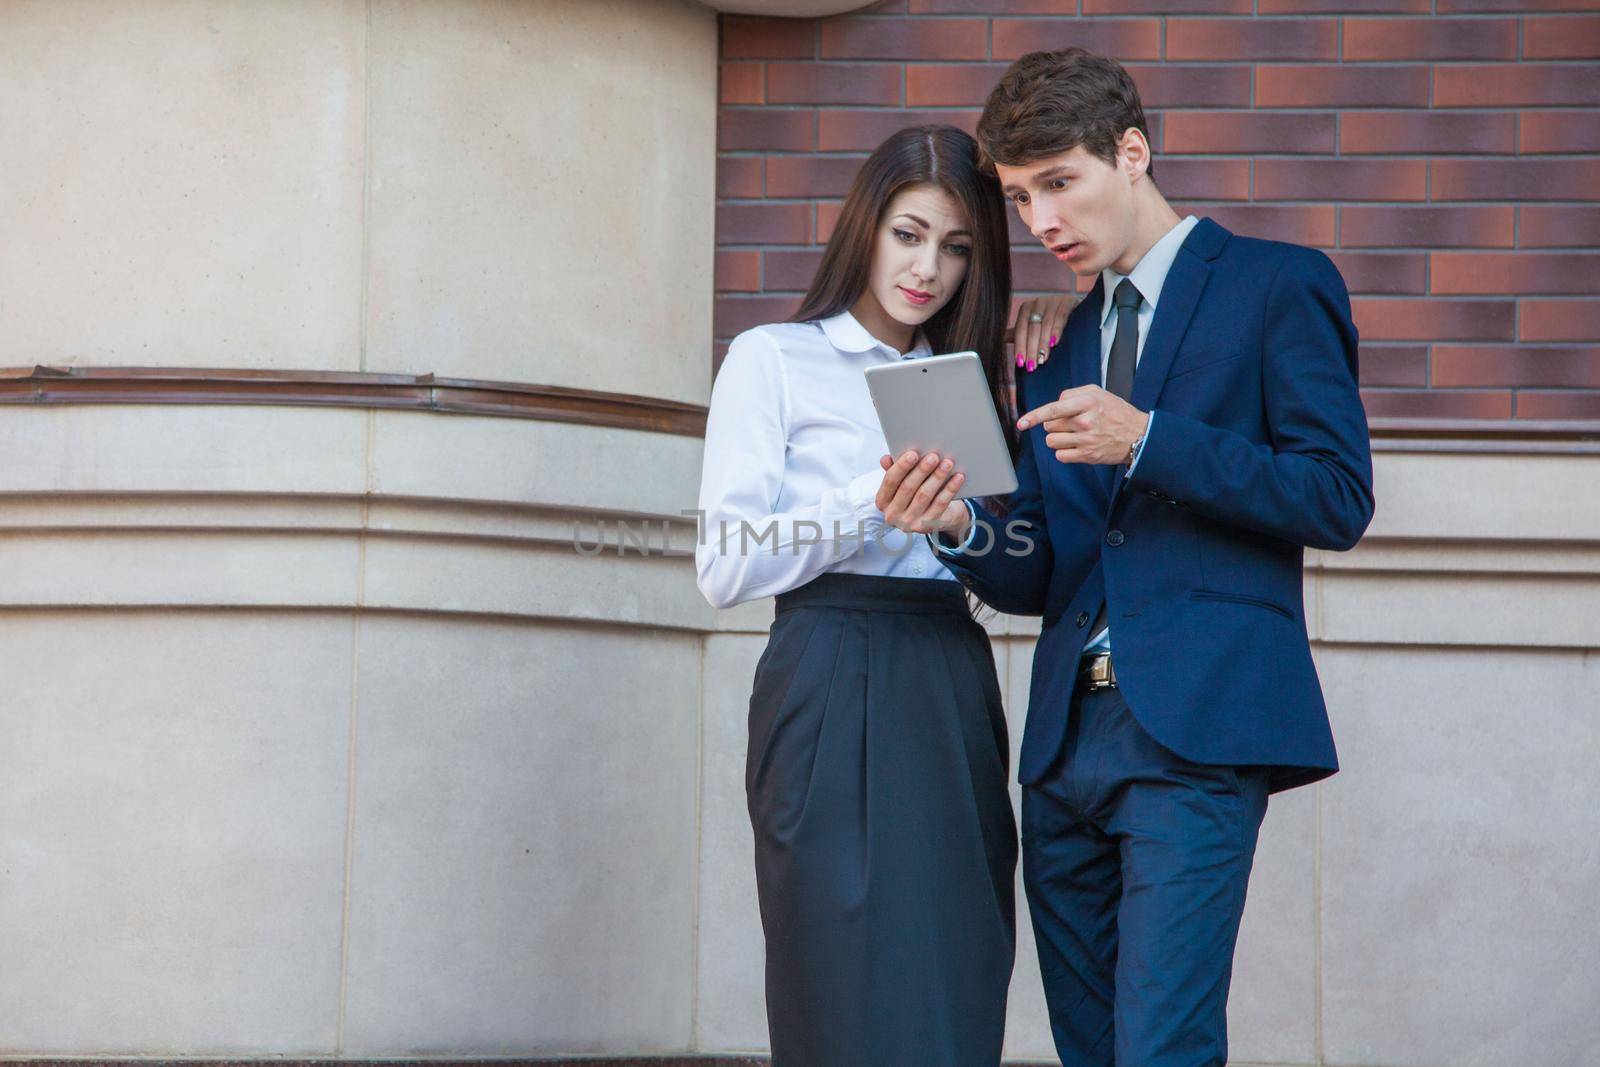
(876, 774)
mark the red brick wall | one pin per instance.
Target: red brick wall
(1449, 162)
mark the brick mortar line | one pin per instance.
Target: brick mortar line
(1555, 346)
(1518, 15)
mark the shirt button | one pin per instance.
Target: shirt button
(1114, 538)
(916, 568)
(1083, 619)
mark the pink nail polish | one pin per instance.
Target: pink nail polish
(1052, 342)
(1031, 364)
(1019, 359)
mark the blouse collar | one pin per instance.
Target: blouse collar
(845, 333)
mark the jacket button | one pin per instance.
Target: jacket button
(1114, 538)
(1083, 619)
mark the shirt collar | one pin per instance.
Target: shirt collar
(846, 334)
(1150, 273)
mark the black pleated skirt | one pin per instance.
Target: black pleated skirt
(885, 845)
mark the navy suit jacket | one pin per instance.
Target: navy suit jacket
(1259, 448)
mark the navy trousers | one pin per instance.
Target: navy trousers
(1135, 862)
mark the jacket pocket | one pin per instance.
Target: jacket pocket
(1239, 598)
(1203, 361)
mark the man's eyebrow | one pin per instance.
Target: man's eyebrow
(1043, 176)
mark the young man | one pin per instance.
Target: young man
(1198, 427)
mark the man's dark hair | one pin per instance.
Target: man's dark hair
(1051, 102)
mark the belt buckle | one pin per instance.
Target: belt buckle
(1098, 672)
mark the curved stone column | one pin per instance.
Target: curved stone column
(330, 320)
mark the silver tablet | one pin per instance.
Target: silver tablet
(942, 404)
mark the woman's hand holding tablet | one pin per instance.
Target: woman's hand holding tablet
(918, 494)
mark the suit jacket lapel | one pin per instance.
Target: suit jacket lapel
(1180, 295)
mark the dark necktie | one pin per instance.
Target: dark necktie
(1125, 345)
(1119, 370)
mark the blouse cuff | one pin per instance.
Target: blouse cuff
(936, 541)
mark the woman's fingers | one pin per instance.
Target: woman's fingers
(1030, 344)
(1055, 312)
(893, 477)
(1038, 347)
(930, 486)
(1039, 324)
(1017, 334)
(932, 497)
(1057, 319)
(933, 518)
(914, 505)
(917, 490)
(1024, 342)
(913, 481)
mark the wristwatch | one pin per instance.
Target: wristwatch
(1133, 451)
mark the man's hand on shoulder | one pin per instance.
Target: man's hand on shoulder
(1088, 425)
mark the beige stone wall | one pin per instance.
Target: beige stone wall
(350, 752)
(515, 190)
(318, 736)
(321, 739)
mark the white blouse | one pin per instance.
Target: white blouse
(790, 478)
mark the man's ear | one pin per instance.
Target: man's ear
(1133, 152)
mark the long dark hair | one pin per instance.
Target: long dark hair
(975, 317)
